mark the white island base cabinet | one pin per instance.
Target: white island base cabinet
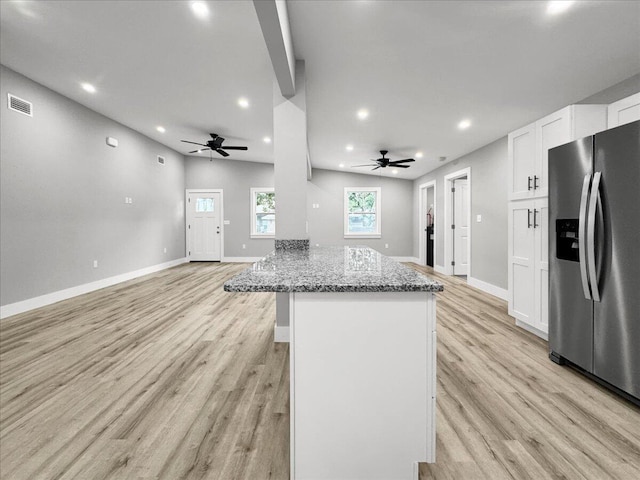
(363, 377)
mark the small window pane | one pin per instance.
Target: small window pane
(204, 205)
(362, 202)
(362, 223)
(265, 223)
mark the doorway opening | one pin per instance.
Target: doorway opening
(204, 225)
(426, 225)
(457, 223)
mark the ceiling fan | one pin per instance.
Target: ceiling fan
(214, 144)
(385, 162)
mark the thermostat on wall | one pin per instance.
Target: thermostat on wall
(112, 142)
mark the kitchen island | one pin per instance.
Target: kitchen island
(362, 360)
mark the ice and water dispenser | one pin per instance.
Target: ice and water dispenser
(567, 239)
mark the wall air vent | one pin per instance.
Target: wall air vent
(19, 105)
(160, 160)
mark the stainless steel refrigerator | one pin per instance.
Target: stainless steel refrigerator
(594, 256)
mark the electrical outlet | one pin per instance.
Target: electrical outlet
(165, 249)
(478, 218)
(386, 245)
(95, 264)
(126, 199)
(317, 244)
(244, 246)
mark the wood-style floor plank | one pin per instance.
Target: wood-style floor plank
(169, 377)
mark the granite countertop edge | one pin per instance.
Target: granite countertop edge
(320, 270)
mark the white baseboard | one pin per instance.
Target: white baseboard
(407, 259)
(241, 259)
(534, 330)
(440, 269)
(280, 334)
(54, 297)
(489, 288)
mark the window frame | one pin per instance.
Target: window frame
(253, 196)
(378, 212)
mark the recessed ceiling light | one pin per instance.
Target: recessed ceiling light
(363, 113)
(418, 154)
(87, 87)
(349, 148)
(161, 129)
(556, 7)
(200, 9)
(266, 139)
(341, 165)
(395, 172)
(464, 124)
(243, 102)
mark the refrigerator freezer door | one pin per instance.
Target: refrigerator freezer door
(570, 313)
(617, 315)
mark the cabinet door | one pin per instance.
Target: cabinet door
(551, 131)
(521, 150)
(521, 262)
(624, 111)
(541, 258)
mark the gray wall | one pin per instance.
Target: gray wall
(326, 224)
(488, 198)
(235, 178)
(615, 92)
(62, 196)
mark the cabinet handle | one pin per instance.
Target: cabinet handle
(535, 182)
(535, 214)
(528, 218)
(528, 183)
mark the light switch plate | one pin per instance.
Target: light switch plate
(478, 218)
(227, 222)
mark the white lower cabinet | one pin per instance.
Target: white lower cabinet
(529, 264)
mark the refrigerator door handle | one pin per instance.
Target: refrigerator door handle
(582, 224)
(594, 203)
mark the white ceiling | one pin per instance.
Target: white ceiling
(419, 67)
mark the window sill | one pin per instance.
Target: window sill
(258, 236)
(367, 235)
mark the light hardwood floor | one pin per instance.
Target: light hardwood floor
(169, 377)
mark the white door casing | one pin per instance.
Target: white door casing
(204, 233)
(422, 221)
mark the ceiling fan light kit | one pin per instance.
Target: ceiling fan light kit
(215, 144)
(384, 162)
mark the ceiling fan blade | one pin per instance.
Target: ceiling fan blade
(195, 143)
(375, 168)
(222, 152)
(400, 166)
(406, 160)
(367, 165)
(235, 148)
(200, 150)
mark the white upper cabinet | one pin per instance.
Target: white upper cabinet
(522, 154)
(529, 146)
(624, 111)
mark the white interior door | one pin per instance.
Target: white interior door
(204, 218)
(461, 222)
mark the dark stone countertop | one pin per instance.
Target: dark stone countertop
(330, 269)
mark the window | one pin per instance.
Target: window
(204, 205)
(362, 212)
(263, 212)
